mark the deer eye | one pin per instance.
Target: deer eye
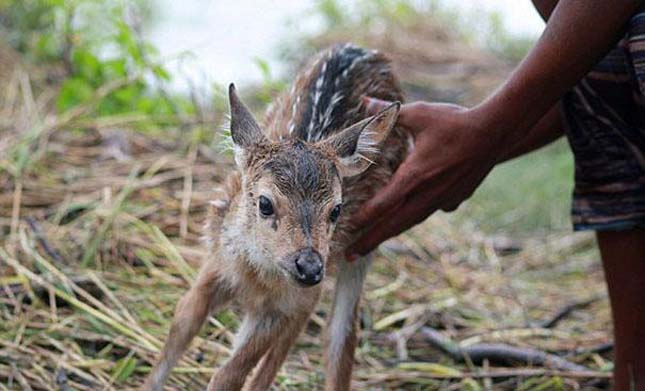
(265, 206)
(333, 216)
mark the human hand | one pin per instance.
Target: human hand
(453, 152)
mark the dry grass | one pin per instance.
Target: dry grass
(99, 229)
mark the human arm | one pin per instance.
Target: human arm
(455, 147)
(548, 129)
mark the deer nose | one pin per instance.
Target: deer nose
(309, 266)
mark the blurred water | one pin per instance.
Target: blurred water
(225, 37)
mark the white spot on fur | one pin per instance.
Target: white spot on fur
(294, 111)
(316, 99)
(327, 115)
(320, 121)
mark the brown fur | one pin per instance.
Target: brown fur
(304, 176)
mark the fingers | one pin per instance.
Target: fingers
(413, 116)
(433, 194)
(389, 197)
(374, 106)
(393, 223)
(370, 240)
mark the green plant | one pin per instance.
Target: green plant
(95, 42)
(34, 27)
(270, 85)
(366, 12)
(500, 41)
(538, 199)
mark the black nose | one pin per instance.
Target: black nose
(309, 266)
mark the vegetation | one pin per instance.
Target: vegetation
(365, 13)
(105, 177)
(530, 195)
(94, 44)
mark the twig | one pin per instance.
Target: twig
(15, 208)
(94, 243)
(567, 310)
(42, 240)
(21, 379)
(14, 286)
(187, 192)
(401, 336)
(114, 323)
(598, 349)
(497, 353)
(68, 42)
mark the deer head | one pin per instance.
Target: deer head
(291, 189)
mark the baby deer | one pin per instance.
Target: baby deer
(277, 225)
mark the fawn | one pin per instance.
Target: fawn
(277, 225)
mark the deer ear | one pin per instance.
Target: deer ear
(245, 130)
(358, 145)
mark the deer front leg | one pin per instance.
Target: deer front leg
(272, 361)
(341, 329)
(257, 334)
(208, 293)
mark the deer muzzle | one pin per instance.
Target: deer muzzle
(309, 266)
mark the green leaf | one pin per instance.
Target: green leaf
(469, 384)
(87, 66)
(47, 47)
(160, 72)
(433, 368)
(146, 105)
(127, 94)
(263, 66)
(115, 69)
(332, 12)
(124, 368)
(128, 43)
(73, 92)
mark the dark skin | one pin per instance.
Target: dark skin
(456, 148)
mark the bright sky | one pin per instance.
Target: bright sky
(225, 36)
(519, 16)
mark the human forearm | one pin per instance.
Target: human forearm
(578, 34)
(548, 129)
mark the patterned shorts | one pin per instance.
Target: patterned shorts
(605, 119)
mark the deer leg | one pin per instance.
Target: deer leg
(207, 294)
(272, 361)
(255, 337)
(341, 329)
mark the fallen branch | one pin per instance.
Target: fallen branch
(567, 310)
(598, 349)
(500, 354)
